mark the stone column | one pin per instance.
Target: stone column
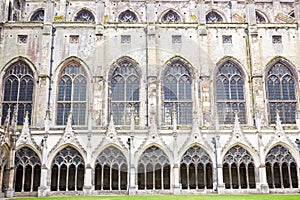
(87, 180)
(263, 186)
(44, 188)
(49, 12)
(200, 9)
(100, 10)
(221, 184)
(133, 172)
(250, 12)
(11, 167)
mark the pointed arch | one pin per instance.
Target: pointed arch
(154, 169)
(111, 170)
(67, 170)
(38, 15)
(281, 168)
(124, 82)
(213, 16)
(171, 16)
(261, 17)
(84, 15)
(196, 169)
(230, 89)
(177, 79)
(72, 93)
(18, 80)
(238, 169)
(28, 170)
(281, 80)
(128, 16)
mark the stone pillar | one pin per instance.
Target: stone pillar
(10, 190)
(262, 186)
(176, 184)
(100, 10)
(221, 184)
(49, 12)
(200, 9)
(250, 12)
(150, 12)
(87, 180)
(133, 173)
(297, 11)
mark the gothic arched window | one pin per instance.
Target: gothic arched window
(281, 94)
(111, 170)
(230, 93)
(72, 94)
(281, 168)
(18, 84)
(125, 97)
(171, 17)
(213, 16)
(127, 16)
(84, 16)
(238, 169)
(196, 169)
(177, 88)
(28, 170)
(67, 171)
(260, 18)
(38, 16)
(153, 170)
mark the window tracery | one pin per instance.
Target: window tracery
(281, 168)
(111, 170)
(177, 90)
(84, 16)
(38, 16)
(213, 16)
(238, 169)
(281, 93)
(171, 17)
(128, 17)
(67, 172)
(125, 97)
(260, 18)
(196, 169)
(153, 169)
(18, 91)
(28, 170)
(230, 94)
(72, 93)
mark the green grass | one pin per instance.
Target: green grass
(181, 197)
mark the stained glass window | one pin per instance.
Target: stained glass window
(125, 83)
(213, 16)
(260, 18)
(281, 94)
(84, 16)
(177, 88)
(171, 17)
(72, 95)
(127, 16)
(230, 93)
(38, 16)
(18, 91)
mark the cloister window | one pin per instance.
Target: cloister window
(260, 18)
(18, 84)
(281, 168)
(28, 170)
(177, 88)
(111, 170)
(171, 17)
(196, 169)
(72, 95)
(84, 16)
(238, 169)
(230, 93)
(153, 170)
(125, 83)
(281, 94)
(127, 16)
(38, 16)
(213, 16)
(67, 171)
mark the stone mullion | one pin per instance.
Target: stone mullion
(204, 177)
(23, 178)
(119, 177)
(281, 178)
(188, 176)
(162, 177)
(58, 178)
(247, 176)
(290, 178)
(153, 175)
(230, 177)
(67, 178)
(239, 176)
(272, 171)
(196, 175)
(110, 177)
(32, 178)
(102, 173)
(76, 174)
(145, 176)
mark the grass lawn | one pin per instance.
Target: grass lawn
(180, 197)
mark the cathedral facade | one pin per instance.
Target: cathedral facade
(149, 97)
